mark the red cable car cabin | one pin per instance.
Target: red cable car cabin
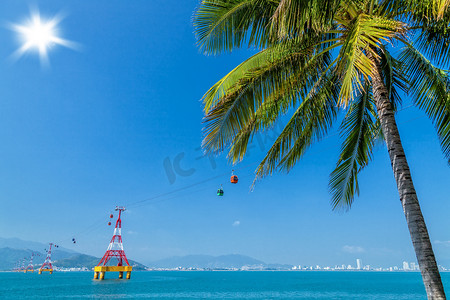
(109, 223)
(234, 179)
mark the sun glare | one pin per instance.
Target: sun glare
(39, 35)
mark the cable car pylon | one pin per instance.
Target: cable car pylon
(30, 267)
(22, 266)
(115, 250)
(47, 265)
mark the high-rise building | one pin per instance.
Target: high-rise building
(412, 266)
(358, 264)
(405, 266)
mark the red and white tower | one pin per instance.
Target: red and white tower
(47, 265)
(17, 267)
(22, 266)
(115, 250)
(30, 267)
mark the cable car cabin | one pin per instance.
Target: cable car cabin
(234, 179)
(111, 216)
(220, 192)
(109, 223)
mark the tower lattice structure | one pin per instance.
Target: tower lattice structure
(16, 267)
(47, 265)
(30, 267)
(22, 266)
(115, 248)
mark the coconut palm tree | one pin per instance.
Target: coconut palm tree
(320, 59)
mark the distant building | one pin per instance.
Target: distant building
(358, 264)
(405, 266)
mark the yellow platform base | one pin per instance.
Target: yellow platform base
(45, 270)
(27, 271)
(99, 271)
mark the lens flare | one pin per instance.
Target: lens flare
(39, 35)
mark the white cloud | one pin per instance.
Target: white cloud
(236, 223)
(353, 249)
(445, 243)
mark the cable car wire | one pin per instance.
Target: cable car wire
(147, 201)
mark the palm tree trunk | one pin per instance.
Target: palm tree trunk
(408, 197)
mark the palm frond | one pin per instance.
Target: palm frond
(236, 108)
(426, 11)
(429, 88)
(221, 25)
(309, 123)
(434, 40)
(393, 76)
(359, 130)
(276, 105)
(288, 51)
(364, 33)
(293, 18)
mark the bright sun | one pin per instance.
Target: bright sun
(39, 35)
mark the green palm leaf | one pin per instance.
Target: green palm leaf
(293, 18)
(363, 34)
(233, 111)
(222, 25)
(393, 77)
(430, 91)
(359, 130)
(309, 123)
(434, 40)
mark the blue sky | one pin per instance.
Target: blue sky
(99, 127)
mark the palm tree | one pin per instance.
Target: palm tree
(319, 59)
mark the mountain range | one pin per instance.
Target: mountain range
(13, 249)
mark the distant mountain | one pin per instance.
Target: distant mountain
(9, 256)
(208, 261)
(16, 243)
(13, 249)
(88, 261)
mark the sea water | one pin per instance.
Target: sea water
(217, 285)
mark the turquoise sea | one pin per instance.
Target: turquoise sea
(217, 285)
